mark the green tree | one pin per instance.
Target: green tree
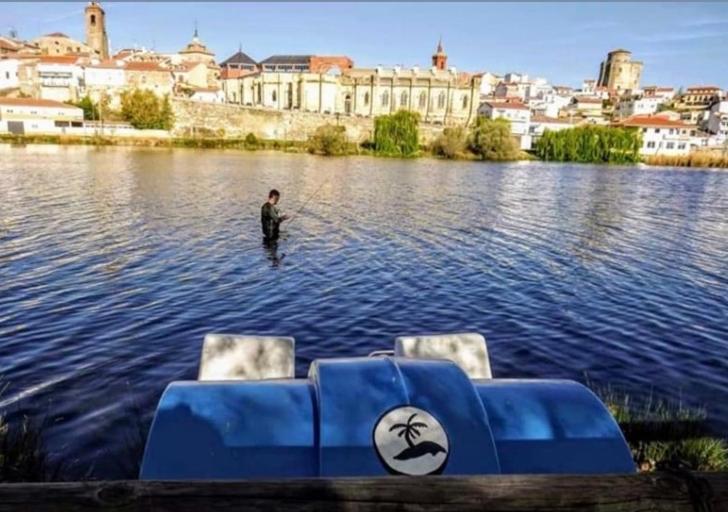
(90, 109)
(491, 139)
(145, 110)
(591, 144)
(328, 140)
(397, 134)
(451, 143)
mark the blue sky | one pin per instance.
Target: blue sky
(681, 43)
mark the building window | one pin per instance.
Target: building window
(657, 130)
(441, 100)
(465, 101)
(403, 99)
(385, 98)
(681, 145)
(366, 99)
(93, 19)
(651, 144)
(670, 145)
(273, 96)
(423, 99)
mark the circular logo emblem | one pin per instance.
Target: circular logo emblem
(410, 441)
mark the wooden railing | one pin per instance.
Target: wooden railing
(669, 492)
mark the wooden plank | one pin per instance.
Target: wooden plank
(604, 493)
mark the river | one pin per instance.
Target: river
(114, 263)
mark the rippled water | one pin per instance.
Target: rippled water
(115, 262)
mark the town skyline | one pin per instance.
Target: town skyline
(683, 49)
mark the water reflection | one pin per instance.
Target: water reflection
(115, 262)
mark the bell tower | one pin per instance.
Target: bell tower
(439, 59)
(96, 29)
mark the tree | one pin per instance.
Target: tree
(451, 143)
(397, 134)
(90, 109)
(328, 140)
(591, 144)
(491, 139)
(145, 110)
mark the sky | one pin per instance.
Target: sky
(680, 43)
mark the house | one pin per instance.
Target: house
(701, 96)
(104, 79)
(9, 74)
(638, 106)
(518, 114)
(718, 122)
(666, 93)
(23, 115)
(58, 78)
(58, 43)
(150, 76)
(239, 61)
(665, 136)
(539, 124)
(207, 94)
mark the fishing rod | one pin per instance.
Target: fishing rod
(315, 193)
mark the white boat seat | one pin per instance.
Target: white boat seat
(468, 350)
(242, 357)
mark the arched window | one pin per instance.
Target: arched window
(423, 99)
(403, 99)
(93, 19)
(465, 101)
(441, 100)
(385, 99)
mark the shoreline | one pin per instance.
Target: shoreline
(301, 147)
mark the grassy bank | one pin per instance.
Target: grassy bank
(713, 159)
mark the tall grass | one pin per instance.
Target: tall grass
(694, 159)
(678, 434)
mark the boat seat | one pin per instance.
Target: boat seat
(468, 350)
(244, 357)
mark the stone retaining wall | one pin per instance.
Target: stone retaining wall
(194, 118)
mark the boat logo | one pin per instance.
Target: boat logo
(410, 441)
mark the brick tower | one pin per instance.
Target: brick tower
(96, 29)
(439, 60)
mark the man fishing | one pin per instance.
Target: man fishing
(270, 217)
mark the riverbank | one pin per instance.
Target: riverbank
(696, 160)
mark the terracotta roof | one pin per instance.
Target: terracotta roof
(187, 66)
(144, 66)
(654, 121)
(582, 99)
(227, 73)
(106, 64)
(506, 105)
(58, 59)
(545, 119)
(701, 87)
(33, 102)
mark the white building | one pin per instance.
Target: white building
(550, 104)
(24, 115)
(634, 106)
(664, 136)
(104, 79)
(9, 74)
(539, 124)
(517, 113)
(718, 122)
(59, 78)
(207, 95)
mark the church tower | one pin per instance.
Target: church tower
(439, 60)
(96, 29)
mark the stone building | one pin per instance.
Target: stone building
(150, 76)
(96, 37)
(59, 44)
(196, 51)
(619, 72)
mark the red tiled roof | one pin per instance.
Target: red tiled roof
(58, 59)
(506, 105)
(702, 87)
(654, 121)
(144, 66)
(33, 102)
(545, 119)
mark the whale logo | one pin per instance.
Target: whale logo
(410, 441)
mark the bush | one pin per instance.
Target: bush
(491, 139)
(144, 110)
(397, 134)
(251, 141)
(591, 144)
(329, 140)
(451, 143)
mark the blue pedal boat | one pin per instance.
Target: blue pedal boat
(430, 406)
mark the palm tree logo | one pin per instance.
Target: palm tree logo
(411, 430)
